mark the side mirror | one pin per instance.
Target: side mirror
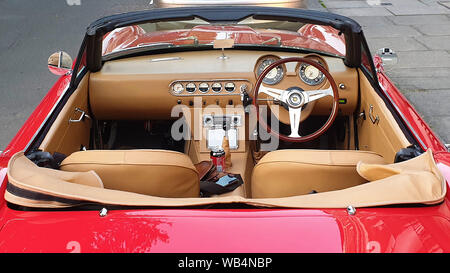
(388, 56)
(60, 63)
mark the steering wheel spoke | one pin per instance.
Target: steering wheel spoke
(273, 92)
(313, 95)
(294, 118)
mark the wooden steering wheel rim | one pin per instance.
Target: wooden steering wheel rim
(334, 110)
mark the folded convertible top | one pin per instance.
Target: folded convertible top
(416, 181)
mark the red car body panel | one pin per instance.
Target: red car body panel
(417, 229)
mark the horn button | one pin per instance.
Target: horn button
(295, 98)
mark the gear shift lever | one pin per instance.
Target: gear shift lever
(226, 148)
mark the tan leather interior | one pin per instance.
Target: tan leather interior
(139, 88)
(88, 178)
(384, 136)
(286, 173)
(136, 88)
(419, 182)
(67, 137)
(151, 172)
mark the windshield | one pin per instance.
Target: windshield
(248, 32)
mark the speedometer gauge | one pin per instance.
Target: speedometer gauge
(274, 76)
(310, 74)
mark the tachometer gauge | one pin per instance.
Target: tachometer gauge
(310, 74)
(274, 76)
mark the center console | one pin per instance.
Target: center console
(217, 127)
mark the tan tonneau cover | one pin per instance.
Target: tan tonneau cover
(416, 181)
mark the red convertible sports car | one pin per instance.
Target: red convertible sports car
(224, 129)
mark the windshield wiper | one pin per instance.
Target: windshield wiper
(136, 49)
(194, 38)
(165, 44)
(144, 47)
(273, 39)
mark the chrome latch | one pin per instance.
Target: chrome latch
(82, 116)
(374, 120)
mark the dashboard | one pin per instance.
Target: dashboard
(148, 87)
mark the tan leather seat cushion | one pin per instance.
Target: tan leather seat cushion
(285, 173)
(151, 172)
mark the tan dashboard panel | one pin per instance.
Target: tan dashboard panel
(140, 87)
(116, 97)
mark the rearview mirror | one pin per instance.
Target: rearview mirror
(388, 56)
(60, 63)
(222, 44)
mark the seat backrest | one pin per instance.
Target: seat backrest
(286, 173)
(152, 172)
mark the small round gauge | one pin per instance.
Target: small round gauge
(275, 75)
(177, 88)
(229, 87)
(190, 87)
(310, 74)
(203, 87)
(216, 87)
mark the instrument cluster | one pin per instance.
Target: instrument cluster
(209, 87)
(307, 73)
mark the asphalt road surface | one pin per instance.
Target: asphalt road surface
(30, 32)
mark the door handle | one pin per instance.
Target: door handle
(375, 119)
(81, 118)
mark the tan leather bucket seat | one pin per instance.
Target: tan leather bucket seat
(151, 172)
(285, 173)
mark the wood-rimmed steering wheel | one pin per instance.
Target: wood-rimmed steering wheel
(295, 99)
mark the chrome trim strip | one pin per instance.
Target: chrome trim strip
(60, 56)
(50, 113)
(404, 118)
(165, 59)
(206, 80)
(207, 94)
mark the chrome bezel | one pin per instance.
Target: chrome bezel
(218, 91)
(186, 87)
(225, 87)
(279, 69)
(313, 82)
(177, 92)
(200, 88)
